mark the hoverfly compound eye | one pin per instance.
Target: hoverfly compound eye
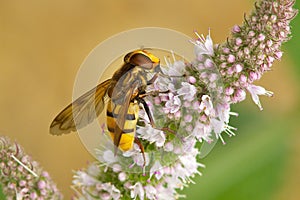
(141, 58)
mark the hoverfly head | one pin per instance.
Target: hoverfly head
(142, 59)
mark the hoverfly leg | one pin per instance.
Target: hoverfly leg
(164, 129)
(146, 107)
(138, 142)
(167, 129)
(153, 93)
(115, 150)
(172, 76)
(153, 79)
(183, 75)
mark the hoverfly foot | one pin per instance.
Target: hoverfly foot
(166, 129)
(164, 92)
(157, 92)
(138, 142)
(181, 76)
(153, 93)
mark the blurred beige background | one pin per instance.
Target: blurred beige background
(43, 43)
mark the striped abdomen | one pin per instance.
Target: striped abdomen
(128, 130)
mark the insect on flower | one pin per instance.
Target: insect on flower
(123, 93)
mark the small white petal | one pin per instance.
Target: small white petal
(255, 90)
(204, 46)
(137, 190)
(218, 126)
(151, 192)
(156, 169)
(109, 157)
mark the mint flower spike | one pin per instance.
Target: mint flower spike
(21, 177)
(197, 108)
(253, 47)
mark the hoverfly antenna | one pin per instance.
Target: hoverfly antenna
(146, 48)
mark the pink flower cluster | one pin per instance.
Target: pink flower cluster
(253, 47)
(21, 177)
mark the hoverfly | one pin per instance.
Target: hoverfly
(124, 91)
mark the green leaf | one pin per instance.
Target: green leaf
(2, 196)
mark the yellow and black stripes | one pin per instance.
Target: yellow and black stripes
(129, 128)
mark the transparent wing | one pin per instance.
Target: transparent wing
(128, 94)
(206, 148)
(82, 111)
